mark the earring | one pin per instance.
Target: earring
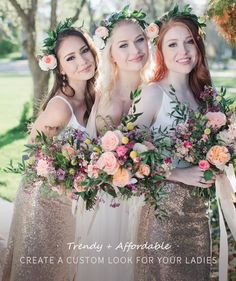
(64, 80)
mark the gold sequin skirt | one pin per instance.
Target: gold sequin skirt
(37, 245)
(183, 239)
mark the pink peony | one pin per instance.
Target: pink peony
(108, 163)
(43, 168)
(121, 150)
(203, 165)
(110, 141)
(216, 119)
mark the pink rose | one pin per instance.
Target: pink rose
(152, 30)
(108, 163)
(48, 62)
(121, 150)
(216, 119)
(110, 141)
(203, 165)
(102, 32)
(121, 178)
(187, 144)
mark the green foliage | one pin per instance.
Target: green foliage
(185, 12)
(6, 47)
(50, 42)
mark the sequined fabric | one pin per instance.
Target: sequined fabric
(40, 230)
(186, 230)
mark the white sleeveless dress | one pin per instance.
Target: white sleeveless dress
(186, 229)
(40, 230)
(108, 227)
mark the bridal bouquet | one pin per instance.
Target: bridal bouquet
(53, 163)
(206, 137)
(123, 163)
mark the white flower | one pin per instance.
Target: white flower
(48, 62)
(98, 42)
(102, 32)
(133, 181)
(152, 30)
(140, 147)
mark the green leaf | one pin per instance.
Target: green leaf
(208, 174)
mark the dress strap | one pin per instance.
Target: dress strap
(66, 101)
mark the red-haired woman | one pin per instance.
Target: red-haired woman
(180, 61)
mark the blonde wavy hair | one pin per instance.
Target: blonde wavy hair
(108, 70)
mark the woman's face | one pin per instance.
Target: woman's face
(179, 50)
(129, 50)
(76, 59)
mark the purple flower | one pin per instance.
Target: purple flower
(61, 174)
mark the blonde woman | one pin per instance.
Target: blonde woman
(124, 59)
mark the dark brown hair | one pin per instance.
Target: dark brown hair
(58, 77)
(200, 75)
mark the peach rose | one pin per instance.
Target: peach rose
(216, 119)
(203, 165)
(152, 30)
(77, 183)
(102, 32)
(110, 141)
(218, 156)
(121, 178)
(68, 151)
(48, 62)
(143, 170)
(108, 163)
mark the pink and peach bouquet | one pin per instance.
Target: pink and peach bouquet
(125, 163)
(205, 137)
(54, 164)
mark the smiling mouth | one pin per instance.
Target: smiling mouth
(137, 58)
(86, 69)
(184, 60)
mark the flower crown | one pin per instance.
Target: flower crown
(103, 32)
(48, 61)
(185, 12)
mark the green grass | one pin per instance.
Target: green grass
(15, 91)
(227, 82)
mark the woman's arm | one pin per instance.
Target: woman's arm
(52, 120)
(190, 176)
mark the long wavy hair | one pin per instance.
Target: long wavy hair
(60, 84)
(108, 71)
(200, 75)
